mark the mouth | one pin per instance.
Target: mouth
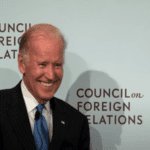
(46, 84)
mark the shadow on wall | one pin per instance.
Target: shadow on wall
(73, 67)
(105, 133)
(8, 78)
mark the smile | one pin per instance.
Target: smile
(46, 84)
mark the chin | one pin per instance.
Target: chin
(47, 97)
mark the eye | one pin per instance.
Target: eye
(42, 64)
(58, 64)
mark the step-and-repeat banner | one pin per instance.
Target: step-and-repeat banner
(107, 65)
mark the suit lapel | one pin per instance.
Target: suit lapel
(19, 118)
(60, 124)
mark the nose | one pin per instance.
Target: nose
(50, 72)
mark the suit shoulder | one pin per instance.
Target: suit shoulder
(5, 95)
(71, 111)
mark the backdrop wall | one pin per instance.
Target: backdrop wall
(107, 53)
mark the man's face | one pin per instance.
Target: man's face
(44, 70)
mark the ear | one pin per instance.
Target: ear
(21, 64)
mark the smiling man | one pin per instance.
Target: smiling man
(31, 117)
(43, 71)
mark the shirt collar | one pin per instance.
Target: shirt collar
(30, 101)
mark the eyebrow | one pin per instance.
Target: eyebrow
(43, 61)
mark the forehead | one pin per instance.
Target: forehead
(51, 38)
(45, 47)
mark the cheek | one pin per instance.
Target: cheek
(60, 74)
(35, 72)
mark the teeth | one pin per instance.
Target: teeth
(46, 84)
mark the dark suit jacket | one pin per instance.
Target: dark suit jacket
(15, 130)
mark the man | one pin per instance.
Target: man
(30, 116)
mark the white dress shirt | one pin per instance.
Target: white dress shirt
(31, 104)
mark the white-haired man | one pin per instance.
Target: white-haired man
(31, 117)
